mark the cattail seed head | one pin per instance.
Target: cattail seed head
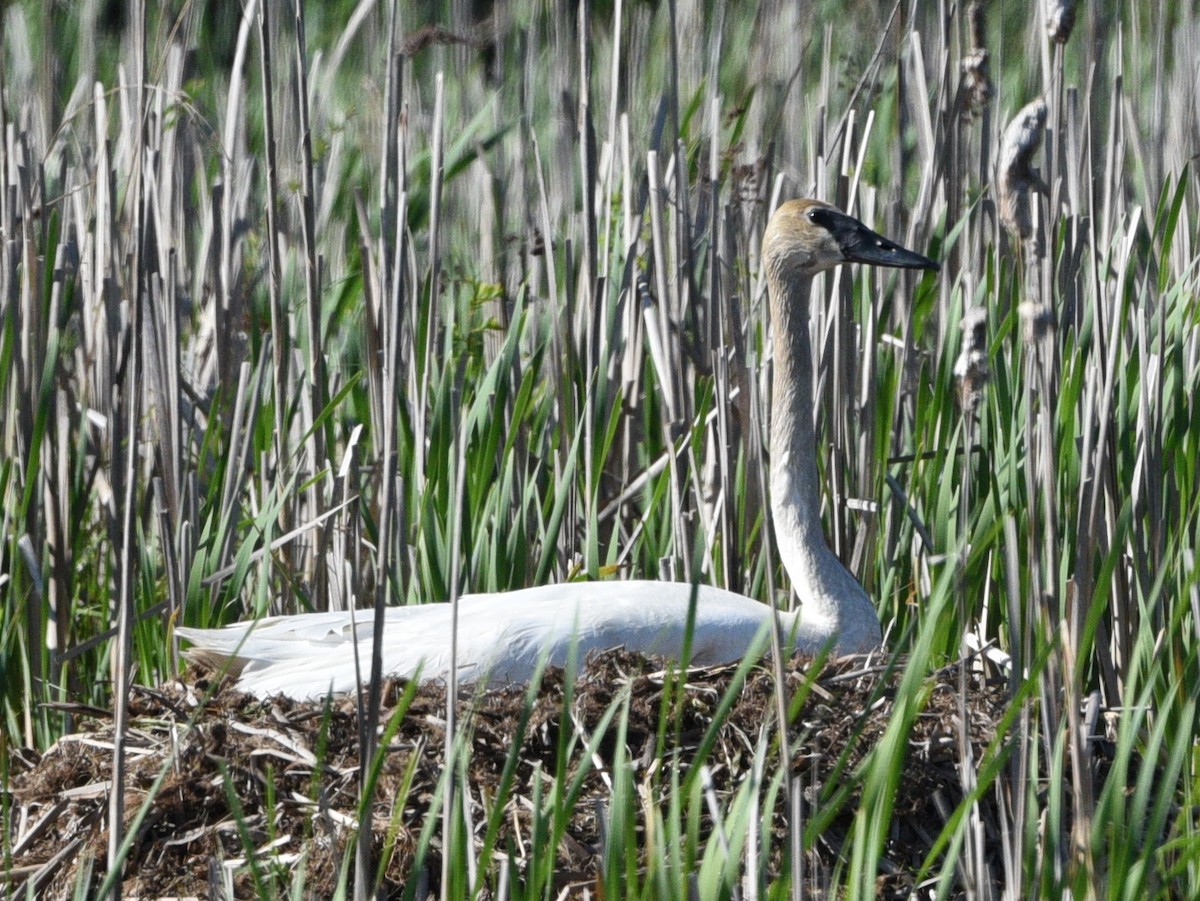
(1037, 320)
(1060, 20)
(1018, 178)
(977, 81)
(977, 77)
(971, 367)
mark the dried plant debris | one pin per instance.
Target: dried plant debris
(293, 769)
(1018, 178)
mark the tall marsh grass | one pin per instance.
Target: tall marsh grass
(313, 305)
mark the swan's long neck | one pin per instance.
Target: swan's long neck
(830, 597)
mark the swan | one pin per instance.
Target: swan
(503, 637)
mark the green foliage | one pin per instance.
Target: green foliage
(583, 338)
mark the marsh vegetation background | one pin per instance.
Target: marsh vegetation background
(305, 306)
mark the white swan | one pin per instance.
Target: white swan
(502, 637)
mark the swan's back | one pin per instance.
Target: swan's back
(501, 637)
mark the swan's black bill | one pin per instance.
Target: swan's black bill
(861, 245)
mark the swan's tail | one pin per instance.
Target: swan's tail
(225, 651)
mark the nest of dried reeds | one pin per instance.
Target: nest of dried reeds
(233, 746)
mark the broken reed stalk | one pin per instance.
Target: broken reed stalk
(280, 321)
(971, 371)
(314, 401)
(389, 292)
(129, 439)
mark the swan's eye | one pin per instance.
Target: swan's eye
(822, 217)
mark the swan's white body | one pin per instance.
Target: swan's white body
(503, 637)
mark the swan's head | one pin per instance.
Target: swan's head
(805, 237)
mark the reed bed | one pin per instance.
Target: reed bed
(308, 306)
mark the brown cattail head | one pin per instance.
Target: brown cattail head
(1060, 19)
(977, 81)
(977, 77)
(971, 367)
(1018, 178)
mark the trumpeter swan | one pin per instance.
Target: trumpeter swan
(501, 637)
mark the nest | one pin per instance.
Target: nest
(282, 776)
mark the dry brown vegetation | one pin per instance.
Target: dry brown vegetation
(293, 769)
